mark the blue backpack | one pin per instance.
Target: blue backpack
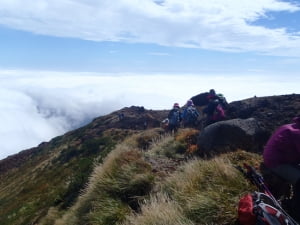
(191, 114)
(175, 117)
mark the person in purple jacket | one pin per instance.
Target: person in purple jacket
(282, 156)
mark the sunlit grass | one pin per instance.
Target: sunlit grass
(208, 191)
(159, 210)
(114, 189)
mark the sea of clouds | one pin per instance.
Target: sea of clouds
(36, 106)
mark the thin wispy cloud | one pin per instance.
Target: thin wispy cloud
(225, 25)
(36, 106)
(159, 53)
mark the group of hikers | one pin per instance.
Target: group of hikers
(281, 154)
(188, 115)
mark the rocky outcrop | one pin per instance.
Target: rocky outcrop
(200, 99)
(271, 112)
(246, 134)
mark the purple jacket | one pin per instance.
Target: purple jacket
(284, 145)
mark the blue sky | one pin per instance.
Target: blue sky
(143, 37)
(64, 62)
(25, 50)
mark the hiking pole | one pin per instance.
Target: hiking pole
(258, 180)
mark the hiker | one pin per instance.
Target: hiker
(212, 95)
(190, 115)
(282, 157)
(214, 111)
(174, 118)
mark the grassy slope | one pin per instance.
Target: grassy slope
(53, 176)
(130, 188)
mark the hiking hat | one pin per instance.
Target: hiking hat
(190, 103)
(176, 105)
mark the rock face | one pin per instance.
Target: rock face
(200, 99)
(272, 111)
(229, 135)
(240, 131)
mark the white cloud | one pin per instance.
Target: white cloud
(36, 106)
(219, 24)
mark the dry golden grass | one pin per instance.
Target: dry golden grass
(114, 188)
(159, 210)
(160, 144)
(199, 192)
(187, 135)
(52, 215)
(144, 139)
(208, 191)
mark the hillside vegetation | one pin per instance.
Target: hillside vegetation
(114, 171)
(127, 189)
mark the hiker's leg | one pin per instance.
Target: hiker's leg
(294, 203)
(297, 195)
(279, 187)
(288, 172)
(291, 173)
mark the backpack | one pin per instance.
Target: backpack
(219, 113)
(191, 115)
(222, 101)
(258, 208)
(174, 117)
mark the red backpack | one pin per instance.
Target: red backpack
(259, 209)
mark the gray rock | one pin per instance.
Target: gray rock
(224, 136)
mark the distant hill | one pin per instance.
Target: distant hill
(41, 184)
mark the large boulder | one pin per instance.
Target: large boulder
(224, 136)
(200, 99)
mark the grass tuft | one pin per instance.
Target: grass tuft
(114, 189)
(208, 191)
(159, 210)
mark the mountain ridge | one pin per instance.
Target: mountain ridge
(135, 116)
(54, 173)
